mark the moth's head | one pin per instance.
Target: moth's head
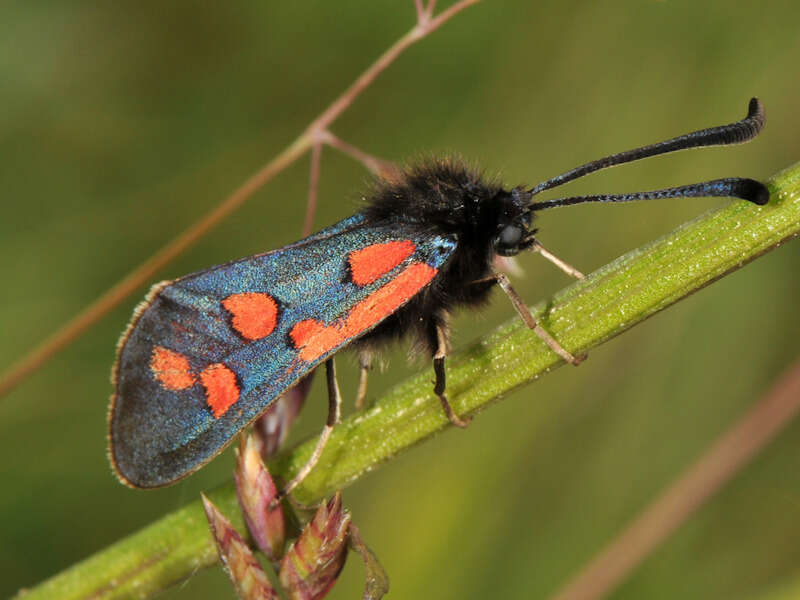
(513, 216)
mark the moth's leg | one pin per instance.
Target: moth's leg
(524, 312)
(334, 411)
(365, 364)
(536, 246)
(438, 338)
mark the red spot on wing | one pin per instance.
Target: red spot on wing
(171, 369)
(315, 338)
(369, 263)
(304, 331)
(254, 314)
(222, 391)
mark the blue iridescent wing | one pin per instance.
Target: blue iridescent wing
(207, 353)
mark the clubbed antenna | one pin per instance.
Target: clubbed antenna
(734, 133)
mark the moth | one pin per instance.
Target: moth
(206, 354)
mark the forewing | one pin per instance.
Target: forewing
(207, 353)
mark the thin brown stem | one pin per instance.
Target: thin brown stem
(445, 15)
(147, 270)
(726, 457)
(419, 31)
(421, 10)
(313, 186)
(430, 8)
(376, 166)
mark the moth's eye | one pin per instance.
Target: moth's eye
(510, 237)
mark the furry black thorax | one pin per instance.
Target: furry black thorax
(447, 198)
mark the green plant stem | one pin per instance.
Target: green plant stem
(583, 315)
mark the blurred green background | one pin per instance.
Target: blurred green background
(120, 123)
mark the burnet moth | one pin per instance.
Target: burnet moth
(207, 353)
